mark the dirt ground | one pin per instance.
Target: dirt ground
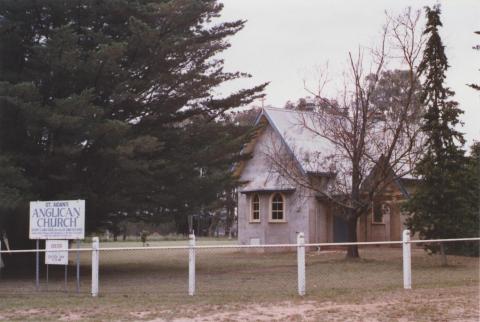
(452, 304)
(238, 286)
(422, 305)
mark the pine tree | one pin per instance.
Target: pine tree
(440, 204)
(96, 98)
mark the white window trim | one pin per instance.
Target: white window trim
(270, 219)
(251, 219)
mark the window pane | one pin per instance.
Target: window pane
(277, 207)
(275, 215)
(255, 207)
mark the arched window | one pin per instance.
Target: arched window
(255, 215)
(277, 208)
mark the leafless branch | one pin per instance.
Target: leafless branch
(370, 147)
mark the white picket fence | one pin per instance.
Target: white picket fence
(300, 246)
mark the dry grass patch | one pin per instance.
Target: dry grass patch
(151, 285)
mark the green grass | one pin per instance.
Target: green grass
(155, 281)
(165, 242)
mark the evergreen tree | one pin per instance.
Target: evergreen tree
(440, 206)
(471, 221)
(97, 98)
(391, 93)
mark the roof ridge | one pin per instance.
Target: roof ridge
(280, 109)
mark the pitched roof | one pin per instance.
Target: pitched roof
(306, 146)
(311, 152)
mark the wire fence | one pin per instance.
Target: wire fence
(256, 271)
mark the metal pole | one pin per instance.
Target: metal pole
(95, 264)
(47, 277)
(37, 266)
(191, 265)
(78, 266)
(66, 274)
(407, 260)
(301, 263)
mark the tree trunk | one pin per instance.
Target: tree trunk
(443, 255)
(211, 228)
(229, 222)
(352, 251)
(231, 204)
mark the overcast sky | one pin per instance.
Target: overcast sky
(284, 42)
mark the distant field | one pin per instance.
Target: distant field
(238, 286)
(171, 241)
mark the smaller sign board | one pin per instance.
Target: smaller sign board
(56, 252)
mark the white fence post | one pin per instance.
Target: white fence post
(301, 263)
(95, 265)
(407, 260)
(191, 265)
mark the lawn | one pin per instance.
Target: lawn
(237, 285)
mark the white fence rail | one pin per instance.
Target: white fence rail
(192, 248)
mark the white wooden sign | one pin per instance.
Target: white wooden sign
(56, 252)
(62, 219)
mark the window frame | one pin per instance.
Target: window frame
(284, 207)
(252, 210)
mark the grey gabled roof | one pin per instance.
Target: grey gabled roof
(306, 146)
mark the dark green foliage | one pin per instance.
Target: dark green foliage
(112, 101)
(445, 203)
(392, 92)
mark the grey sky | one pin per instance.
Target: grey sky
(286, 41)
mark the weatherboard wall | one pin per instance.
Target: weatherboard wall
(262, 180)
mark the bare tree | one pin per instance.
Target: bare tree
(368, 144)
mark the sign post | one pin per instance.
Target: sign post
(78, 266)
(56, 253)
(57, 222)
(66, 274)
(37, 266)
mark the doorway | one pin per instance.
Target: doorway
(340, 230)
